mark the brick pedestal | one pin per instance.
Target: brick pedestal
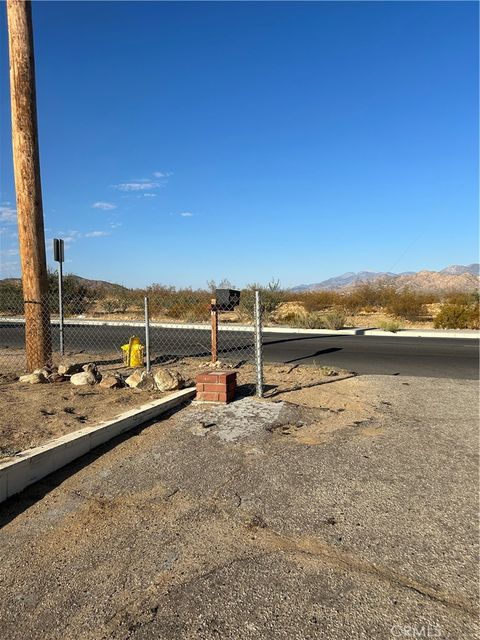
(216, 386)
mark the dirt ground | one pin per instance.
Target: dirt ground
(46, 411)
(336, 511)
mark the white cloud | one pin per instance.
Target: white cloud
(8, 214)
(9, 252)
(145, 184)
(139, 185)
(186, 214)
(105, 206)
(70, 236)
(97, 234)
(67, 236)
(115, 225)
(149, 195)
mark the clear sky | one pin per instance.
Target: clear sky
(186, 141)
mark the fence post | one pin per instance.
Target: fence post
(60, 308)
(214, 331)
(258, 344)
(147, 334)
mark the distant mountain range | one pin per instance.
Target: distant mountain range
(100, 286)
(455, 278)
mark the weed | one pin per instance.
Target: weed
(390, 325)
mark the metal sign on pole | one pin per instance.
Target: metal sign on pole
(59, 256)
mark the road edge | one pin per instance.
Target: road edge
(32, 465)
(471, 334)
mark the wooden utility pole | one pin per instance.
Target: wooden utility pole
(26, 164)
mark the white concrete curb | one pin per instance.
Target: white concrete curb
(357, 331)
(33, 464)
(402, 333)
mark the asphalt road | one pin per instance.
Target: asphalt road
(435, 357)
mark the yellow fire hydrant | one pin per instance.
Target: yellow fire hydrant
(133, 352)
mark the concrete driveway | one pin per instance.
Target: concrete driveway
(347, 510)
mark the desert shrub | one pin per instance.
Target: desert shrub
(312, 320)
(390, 325)
(115, 305)
(335, 319)
(316, 300)
(457, 316)
(108, 306)
(11, 298)
(407, 304)
(76, 297)
(467, 298)
(188, 308)
(368, 295)
(197, 312)
(271, 296)
(292, 319)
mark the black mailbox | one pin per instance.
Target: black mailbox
(227, 299)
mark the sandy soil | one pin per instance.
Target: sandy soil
(39, 413)
(46, 411)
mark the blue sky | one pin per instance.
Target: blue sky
(186, 141)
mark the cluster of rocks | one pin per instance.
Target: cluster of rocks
(218, 364)
(88, 374)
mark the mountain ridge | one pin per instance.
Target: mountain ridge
(454, 277)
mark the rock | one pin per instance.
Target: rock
(134, 379)
(69, 368)
(218, 364)
(89, 375)
(82, 378)
(44, 371)
(33, 378)
(91, 367)
(167, 380)
(114, 381)
(147, 383)
(56, 377)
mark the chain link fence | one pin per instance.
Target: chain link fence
(185, 330)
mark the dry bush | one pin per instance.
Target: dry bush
(271, 296)
(335, 319)
(458, 316)
(312, 320)
(407, 304)
(316, 300)
(367, 296)
(390, 325)
(466, 299)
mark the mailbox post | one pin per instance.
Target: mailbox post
(225, 300)
(58, 256)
